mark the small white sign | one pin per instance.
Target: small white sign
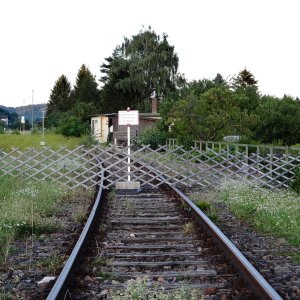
(130, 117)
(23, 120)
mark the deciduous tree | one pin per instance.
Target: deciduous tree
(143, 63)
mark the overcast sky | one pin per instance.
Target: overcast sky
(43, 39)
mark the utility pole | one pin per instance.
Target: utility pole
(32, 113)
(42, 143)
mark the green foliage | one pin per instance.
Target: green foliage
(244, 79)
(30, 208)
(208, 209)
(85, 94)
(72, 126)
(60, 98)
(278, 120)
(203, 205)
(23, 141)
(9, 114)
(139, 289)
(144, 63)
(274, 212)
(209, 117)
(35, 131)
(52, 263)
(67, 104)
(16, 132)
(2, 126)
(54, 119)
(89, 140)
(151, 136)
(21, 210)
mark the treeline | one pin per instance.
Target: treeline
(12, 118)
(14, 115)
(206, 109)
(211, 109)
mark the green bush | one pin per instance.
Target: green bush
(151, 136)
(187, 141)
(1, 127)
(72, 126)
(35, 131)
(89, 140)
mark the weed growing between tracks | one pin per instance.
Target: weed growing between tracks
(143, 288)
(208, 209)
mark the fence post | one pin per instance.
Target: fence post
(257, 157)
(247, 158)
(227, 151)
(271, 160)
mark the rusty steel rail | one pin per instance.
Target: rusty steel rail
(251, 276)
(60, 287)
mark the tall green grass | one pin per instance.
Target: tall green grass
(23, 141)
(27, 208)
(274, 212)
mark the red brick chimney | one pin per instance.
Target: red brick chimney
(154, 101)
(154, 105)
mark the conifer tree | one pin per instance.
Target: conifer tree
(60, 100)
(86, 89)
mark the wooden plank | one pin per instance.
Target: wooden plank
(155, 240)
(152, 255)
(166, 275)
(166, 286)
(155, 264)
(151, 247)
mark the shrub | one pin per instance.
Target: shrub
(89, 140)
(187, 141)
(151, 136)
(16, 132)
(1, 127)
(35, 131)
(72, 126)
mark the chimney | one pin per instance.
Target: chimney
(154, 101)
(154, 104)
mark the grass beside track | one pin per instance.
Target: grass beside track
(23, 141)
(273, 212)
(30, 208)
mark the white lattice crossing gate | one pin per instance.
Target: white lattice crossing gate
(175, 165)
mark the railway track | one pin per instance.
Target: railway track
(160, 234)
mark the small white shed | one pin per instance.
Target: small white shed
(100, 127)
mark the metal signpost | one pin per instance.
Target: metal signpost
(128, 117)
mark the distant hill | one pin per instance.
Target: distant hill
(27, 111)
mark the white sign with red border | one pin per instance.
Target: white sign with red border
(128, 117)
